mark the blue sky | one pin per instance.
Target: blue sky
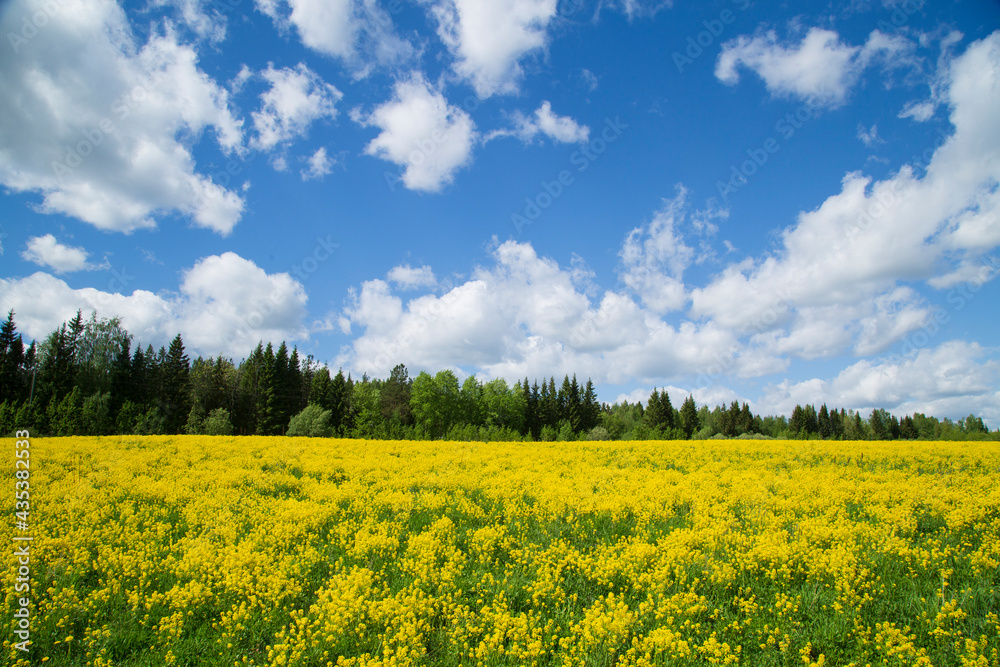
(724, 198)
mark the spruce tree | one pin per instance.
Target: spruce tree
(339, 400)
(689, 417)
(591, 409)
(267, 404)
(319, 390)
(12, 386)
(175, 388)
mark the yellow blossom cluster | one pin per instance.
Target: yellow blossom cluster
(222, 551)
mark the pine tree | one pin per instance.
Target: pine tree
(140, 379)
(297, 389)
(745, 421)
(395, 396)
(12, 386)
(654, 413)
(574, 406)
(267, 404)
(730, 419)
(531, 409)
(339, 399)
(279, 371)
(121, 372)
(689, 417)
(550, 404)
(175, 398)
(877, 425)
(667, 410)
(797, 423)
(591, 409)
(823, 423)
(319, 390)
(57, 374)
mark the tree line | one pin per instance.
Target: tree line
(85, 378)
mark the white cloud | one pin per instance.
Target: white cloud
(869, 137)
(821, 68)
(428, 138)
(47, 251)
(319, 165)
(100, 133)
(843, 280)
(358, 32)
(921, 111)
(207, 24)
(635, 8)
(224, 304)
(295, 100)
(408, 277)
(951, 379)
(655, 257)
(488, 39)
(524, 315)
(228, 303)
(558, 128)
(849, 255)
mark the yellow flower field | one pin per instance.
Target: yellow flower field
(198, 550)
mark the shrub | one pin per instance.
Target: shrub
(313, 422)
(217, 423)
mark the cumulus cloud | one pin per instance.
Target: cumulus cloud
(920, 111)
(318, 165)
(297, 97)
(558, 128)
(952, 378)
(100, 134)
(869, 136)
(224, 303)
(488, 39)
(654, 258)
(358, 32)
(847, 278)
(844, 261)
(523, 315)
(636, 8)
(820, 68)
(425, 136)
(207, 23)
(408, 277)
(48, 252)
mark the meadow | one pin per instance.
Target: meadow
(200, 550)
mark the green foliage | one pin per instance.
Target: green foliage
(313, 422)
(217, 423)
(88, 381)
(436, 402)
(689, 417)
(95, 414)
(598, 433)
